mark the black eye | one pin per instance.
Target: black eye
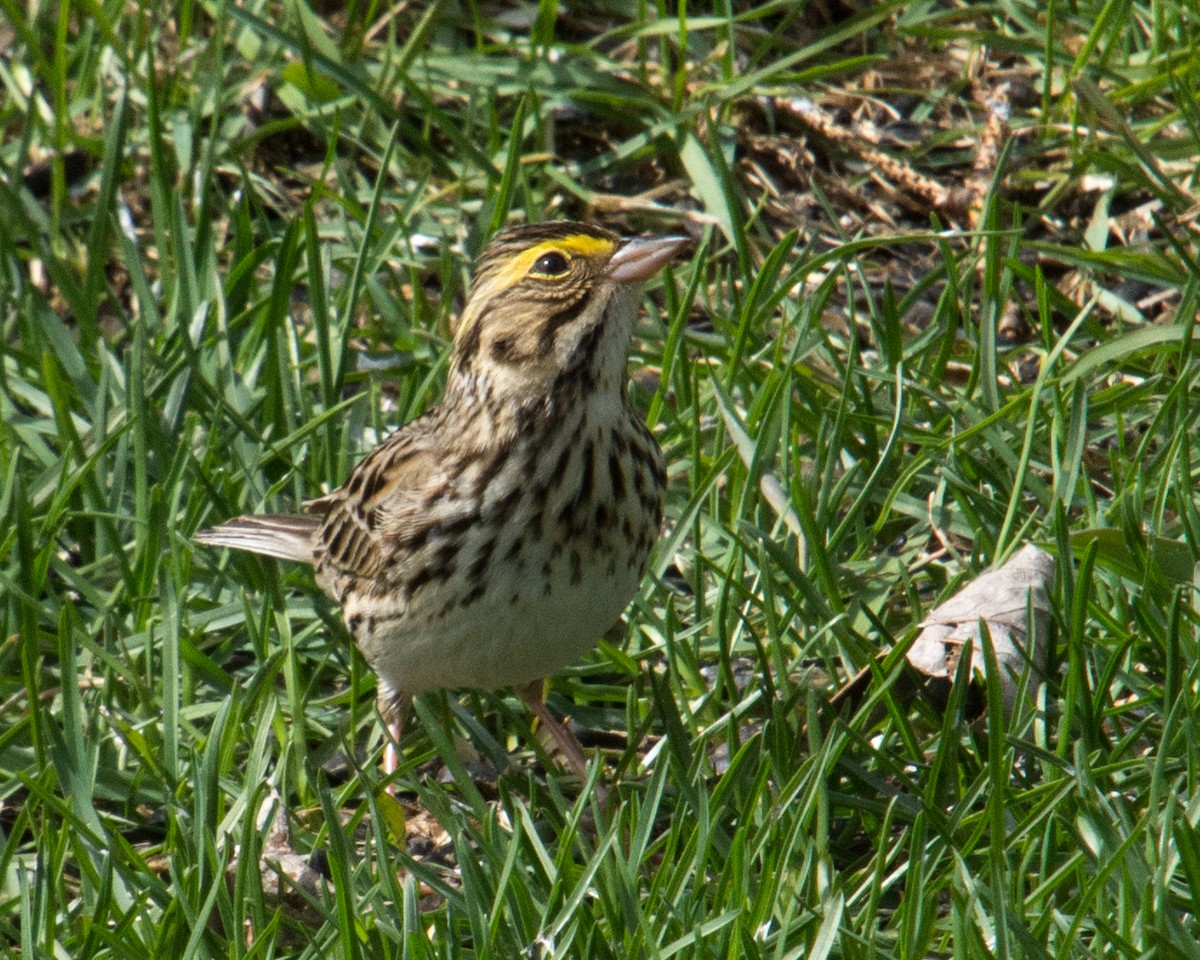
(552, 264)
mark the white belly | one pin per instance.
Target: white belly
(497, 642)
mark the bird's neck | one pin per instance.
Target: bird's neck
(502, 412)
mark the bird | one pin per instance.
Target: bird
(492, 541)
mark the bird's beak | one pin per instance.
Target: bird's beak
(642, 258)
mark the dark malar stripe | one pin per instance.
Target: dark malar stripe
(560, 318)
(468, 345)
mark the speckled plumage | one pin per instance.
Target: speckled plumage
(492, 541)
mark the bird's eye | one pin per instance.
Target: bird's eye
(552, 264)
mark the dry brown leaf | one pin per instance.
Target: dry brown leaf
(1001, 599)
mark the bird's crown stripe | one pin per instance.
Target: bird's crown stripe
(575, 244)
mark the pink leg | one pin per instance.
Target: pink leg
(531, 694)
(394, 709)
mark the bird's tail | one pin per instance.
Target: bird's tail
(282, 535)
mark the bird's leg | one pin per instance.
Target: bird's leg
(393, 707)
(391, 750)
(532, 695)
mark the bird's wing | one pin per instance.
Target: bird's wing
(370, 523)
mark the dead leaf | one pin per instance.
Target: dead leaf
(1001, 599)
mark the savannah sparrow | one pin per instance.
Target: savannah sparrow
(492, 541)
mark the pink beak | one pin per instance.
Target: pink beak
(642, 258)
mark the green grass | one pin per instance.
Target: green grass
(232, 267)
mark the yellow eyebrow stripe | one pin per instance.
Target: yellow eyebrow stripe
(577, 245)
